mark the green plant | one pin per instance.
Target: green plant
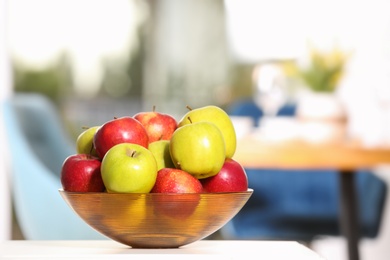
(323, 72)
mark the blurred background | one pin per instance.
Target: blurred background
(102, 59)
(98, 59)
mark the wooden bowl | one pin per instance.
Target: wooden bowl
(156, 220)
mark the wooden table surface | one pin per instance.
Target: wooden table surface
(346, 156)
(256, 152)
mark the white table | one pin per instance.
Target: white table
(108, 249)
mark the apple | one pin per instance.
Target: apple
(172, 180)
(84, 142)
(217, 116)
(81, 173)
(129, 168)
(119, 130)
(198, 148)
(179, 207)
(160, 150)
(130, 214)
(159, 126)
(231, 178)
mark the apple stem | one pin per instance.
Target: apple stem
(188, 107)
(85, 127)
(154, 108)
(131, 153)
(189, 119)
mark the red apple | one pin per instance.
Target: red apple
(178, 206)
(187, 188)
(119, 130)
(81, 173)
(172, 180)
(231, 178)
(159, 126)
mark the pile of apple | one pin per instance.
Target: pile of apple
(152, 152)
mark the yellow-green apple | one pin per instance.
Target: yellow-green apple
(217, 116)
(231, 178)
(84, 142)
(81, 173)
(119, 130)
(160, 150)
(129, 168)
(159, 126)
(198, 148)
(172, 180)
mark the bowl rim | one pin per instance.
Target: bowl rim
(249, 190)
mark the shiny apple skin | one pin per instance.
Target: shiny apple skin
(231, 178)
(129, 168)
(159, 126)
(171, 180)
(81, 173)
(198, 149)
(119, 130)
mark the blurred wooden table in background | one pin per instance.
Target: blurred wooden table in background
(253, 151)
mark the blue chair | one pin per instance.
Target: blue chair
(38, 145)
(301, 204)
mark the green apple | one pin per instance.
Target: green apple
(84, 142)
(129, 168)
(160, 150)
(220, 118)
(198, 148)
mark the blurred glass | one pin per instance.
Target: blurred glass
(270, 89)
